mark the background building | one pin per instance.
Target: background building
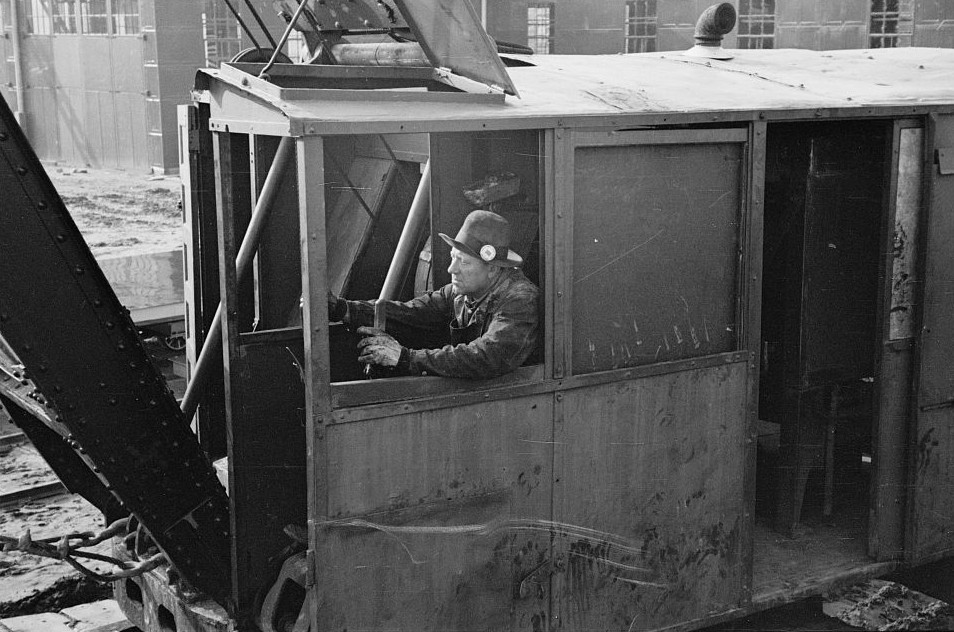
(630, 26)
(96, 82)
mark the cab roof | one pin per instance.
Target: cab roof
(583, 90)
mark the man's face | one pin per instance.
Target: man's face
(470, 275)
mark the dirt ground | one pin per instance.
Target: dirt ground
(119, 214)
(122, 213)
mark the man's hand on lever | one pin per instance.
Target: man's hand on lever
(378, 347)
(337, 308)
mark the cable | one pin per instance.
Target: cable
(244, 26)
(66, 551)
(261, 24)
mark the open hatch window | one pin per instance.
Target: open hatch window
(371, 185)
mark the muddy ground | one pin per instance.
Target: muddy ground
(119, 214)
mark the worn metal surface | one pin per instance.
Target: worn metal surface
(452, 37)
(656, 466)
(931, 528)
(81, 349)
(904, 272)
(661, 88)
(456, 511)
(658, 223)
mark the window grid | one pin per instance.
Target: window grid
(223, 41)
(5, 14)
(37, 16)
(64, 17)
(640, 27)
(756, 24)
(540, 28)
(125, 17)
(883, 26)
(94, 17)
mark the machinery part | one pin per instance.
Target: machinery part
(241, 23)
(288, 29)
(96, 386)
(714, 23)
(259, 56)
(174, 342)
(261, 24)
(283, 609)
(211, 355)
(408, 54)
(64, 460)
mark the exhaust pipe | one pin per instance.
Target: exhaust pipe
(714, 23)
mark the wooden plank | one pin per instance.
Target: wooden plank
(786, 568)
(278, 278)
(471, 485)
(362, 400)
(223, 152)
(352, 218)
(659, 137)
(890, 441)
(930, 531)
(896, 327)
(310, 174)
(560, 240)
(547, 186)
(750, 310)
(365, 393)
(201, 260)
(654, 469)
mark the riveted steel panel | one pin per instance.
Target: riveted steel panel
(80, 347)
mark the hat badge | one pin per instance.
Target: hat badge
(488, 252)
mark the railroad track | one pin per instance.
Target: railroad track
(32, 492)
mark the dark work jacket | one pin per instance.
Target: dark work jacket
(485, 339)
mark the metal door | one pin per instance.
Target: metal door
(930, 532)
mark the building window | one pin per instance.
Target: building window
(64, 17)
(883, 28)
(540, 27)
(756, 24)
(37, 16)
(94, 19)
(125, 17)
(221, 34)
(640, 27)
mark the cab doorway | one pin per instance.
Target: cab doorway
(825, 198)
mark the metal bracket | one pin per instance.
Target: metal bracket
(945, 160)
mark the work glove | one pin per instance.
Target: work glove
(378, 347)
(337, 308)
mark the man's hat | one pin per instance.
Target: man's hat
(486, 236)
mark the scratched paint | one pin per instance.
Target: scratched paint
(905, 248)
(655, 252)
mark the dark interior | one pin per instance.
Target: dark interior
(824, 202)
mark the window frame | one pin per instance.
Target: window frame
(536, 25)
(376, 398)
(564, 247)
(640, 22)
(880, 20)
(756, 26)
(37, 17)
